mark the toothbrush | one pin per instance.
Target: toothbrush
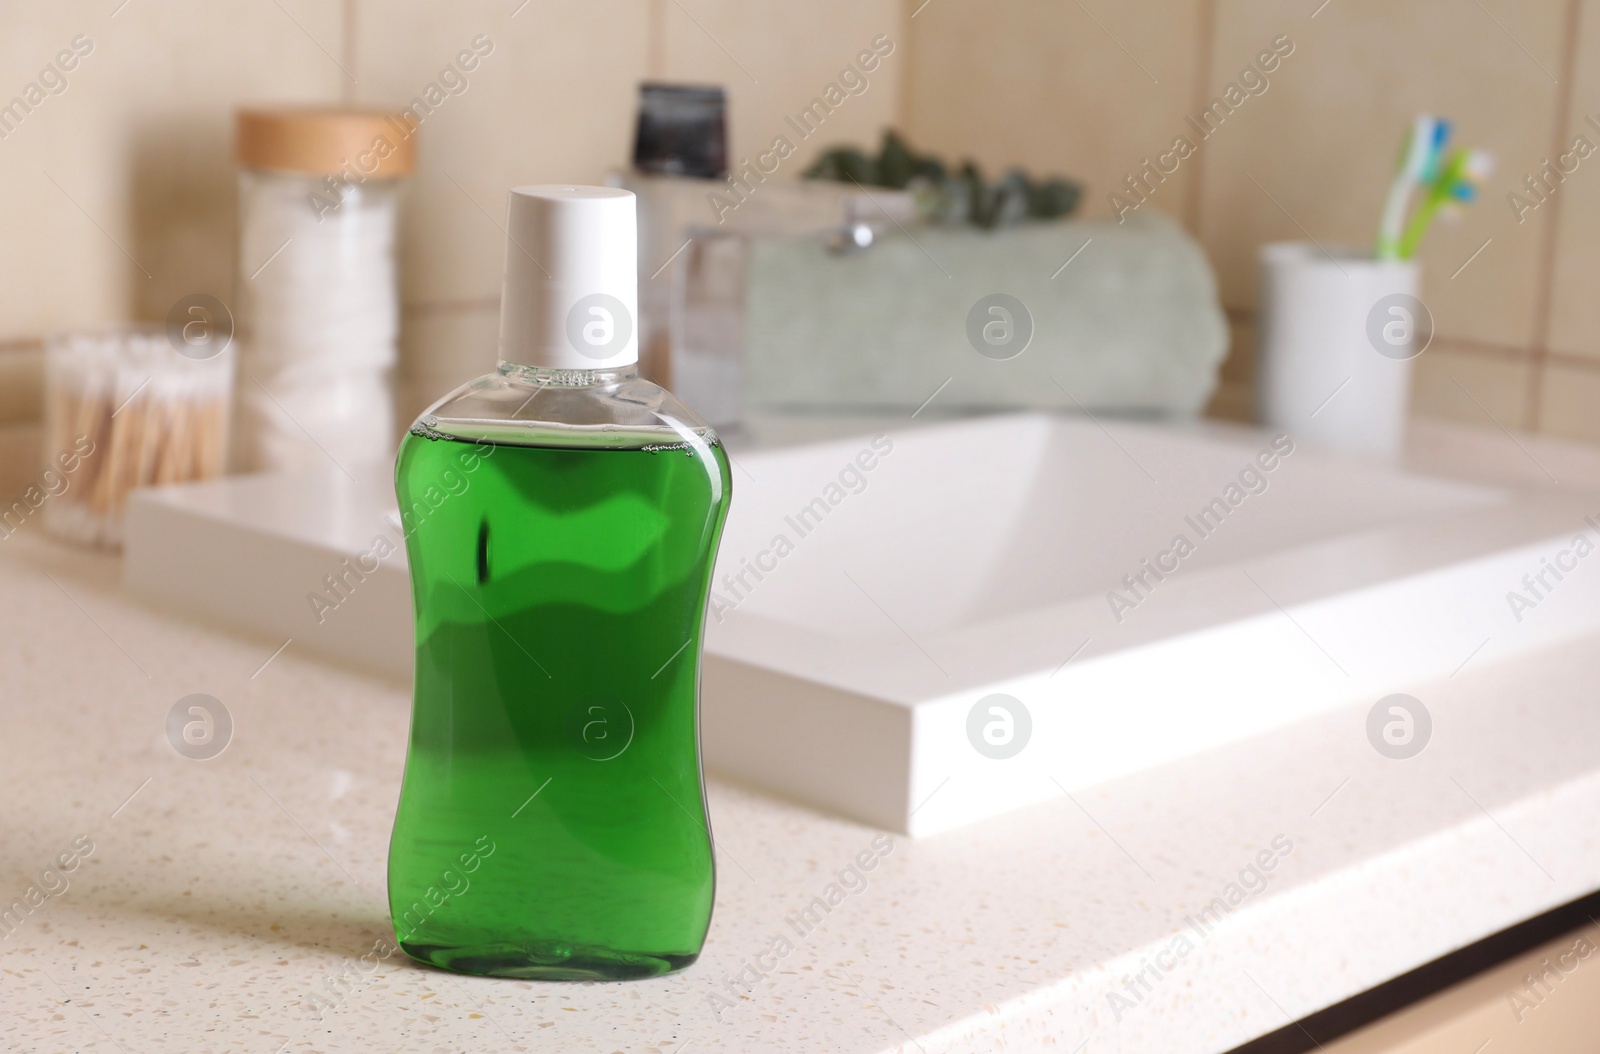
(1417, 165)
(1456, 185)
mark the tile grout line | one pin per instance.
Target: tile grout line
(1206, 43)
(449, 307)
(1483, 349)
(903, 112)
(1572, 361)
(1468, 346)
(1544, 282)
(1247, 317)
(656, 39)
(348, 32)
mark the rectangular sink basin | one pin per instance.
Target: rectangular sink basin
(928, 627)
(977, 559)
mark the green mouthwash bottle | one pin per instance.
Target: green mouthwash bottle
(561, 519)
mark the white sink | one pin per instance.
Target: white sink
(972, 559)
(978, 557)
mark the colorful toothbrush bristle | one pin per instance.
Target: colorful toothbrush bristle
(1436, 144)
(1419, 164)
(1455, 186)
(1479, 166)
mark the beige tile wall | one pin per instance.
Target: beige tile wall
(140, 142)
(118, 191)
(775, 58)
(1088, 89)
(544, 105)
(121, 187)
(551, 103)
(1092, 87)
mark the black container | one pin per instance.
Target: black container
(682, 131)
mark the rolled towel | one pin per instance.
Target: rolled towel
(1130, 325)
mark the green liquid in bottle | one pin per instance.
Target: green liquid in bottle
(552, 820)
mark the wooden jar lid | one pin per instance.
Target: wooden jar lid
(375, 144)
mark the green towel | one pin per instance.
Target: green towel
(1131, 325)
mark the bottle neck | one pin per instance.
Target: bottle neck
(547, 377)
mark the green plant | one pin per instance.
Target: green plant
(945, 196)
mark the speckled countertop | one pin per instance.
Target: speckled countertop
(227, 904)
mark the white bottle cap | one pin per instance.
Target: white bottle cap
(571, 295)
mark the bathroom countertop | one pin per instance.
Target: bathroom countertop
(227, 904)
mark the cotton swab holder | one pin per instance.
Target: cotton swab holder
(125, 408)
(1337, 334)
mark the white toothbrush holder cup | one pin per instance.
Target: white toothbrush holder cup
(1337, 333)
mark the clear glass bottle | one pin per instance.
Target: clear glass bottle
(561, 519)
